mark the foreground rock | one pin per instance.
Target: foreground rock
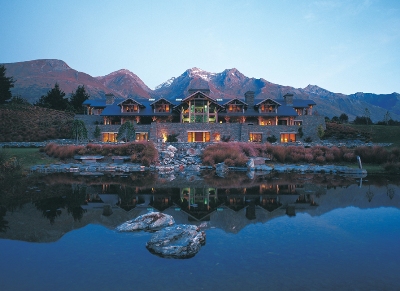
(179, 241)
(150, 221)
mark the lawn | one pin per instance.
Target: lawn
(381, 133)
(29, 156)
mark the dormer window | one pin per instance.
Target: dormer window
(162, 108)
(267, 108)
(235, 108)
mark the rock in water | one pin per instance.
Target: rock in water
(149, 221)
(179, 241)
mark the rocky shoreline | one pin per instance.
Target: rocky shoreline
(184, 158)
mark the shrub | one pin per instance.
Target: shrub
(308, 139)
(392, 167)
(308, 157)
(375, 154)
(329, 157)
(218, 153)
(300, 131)
(225, 138)
(272, 139)
(349, 157)
(320, 159)
(279, 153)
(172, 137)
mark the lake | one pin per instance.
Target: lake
(263, 232)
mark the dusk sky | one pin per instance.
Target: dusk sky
(344, 46)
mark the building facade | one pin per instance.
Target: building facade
(201, 118)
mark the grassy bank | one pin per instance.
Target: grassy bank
(381, 133)
(28, 157)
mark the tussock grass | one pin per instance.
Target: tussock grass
(140, 152)
(236, 154)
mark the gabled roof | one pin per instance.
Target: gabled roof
(268, 99)
(236, 99)
(123, 101)
(161, 99)
(95, 102)
(199, 93)
(300, 103)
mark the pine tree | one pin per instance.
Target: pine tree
(54, 99)
(97, 132)
(79, 130)
(126, 132)
(6, 83)
(78, 98)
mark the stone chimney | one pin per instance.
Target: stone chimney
(288, 98)
(249, 98)
(110, 99)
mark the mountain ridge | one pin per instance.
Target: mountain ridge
(35, 78)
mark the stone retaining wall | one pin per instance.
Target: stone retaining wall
(236, 131)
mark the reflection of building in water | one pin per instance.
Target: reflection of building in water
(199, 202)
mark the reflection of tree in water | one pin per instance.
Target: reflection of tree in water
(51, 207)
(370, 194)
(74, 200)
(251, 210)
(128, 197)
(390, 192)
(3, 223)
(71, 197)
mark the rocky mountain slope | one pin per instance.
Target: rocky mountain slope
(35, 78)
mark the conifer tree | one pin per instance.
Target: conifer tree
(6, 83)
(54, 99)
(78, 98)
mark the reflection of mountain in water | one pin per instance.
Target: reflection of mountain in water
(205, 200)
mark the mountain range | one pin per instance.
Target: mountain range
(35, 78)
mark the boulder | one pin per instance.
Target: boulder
(150, 221)
(179, 241)
(171, 148)
(250, 164)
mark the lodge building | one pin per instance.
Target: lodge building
(201, 118)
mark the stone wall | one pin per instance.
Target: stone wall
(236, 131)
(223, 129)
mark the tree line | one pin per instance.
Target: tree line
(55, 99)
(365, 119)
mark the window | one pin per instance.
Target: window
(109, 136)
(162, 108)
(141, 136)
(198, 136)
(255, 137)
(288, 137)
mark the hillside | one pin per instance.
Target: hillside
(32, 123)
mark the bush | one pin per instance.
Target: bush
(272, 139)
(172, 137)
(225, 138)
(231, 153)
(308, 139)
(392, 167)
(140, 152)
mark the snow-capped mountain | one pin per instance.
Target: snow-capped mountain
(35, 78)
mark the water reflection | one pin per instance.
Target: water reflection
(63, 202)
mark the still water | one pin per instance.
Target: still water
(265, 232)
